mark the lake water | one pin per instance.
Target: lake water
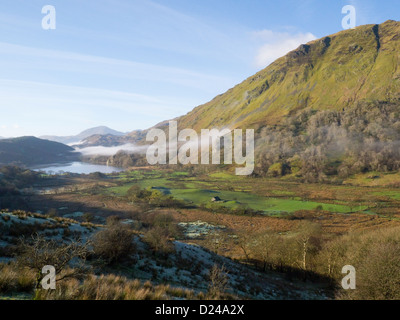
(77, 167)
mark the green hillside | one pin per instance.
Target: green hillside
(326, 74)
(326, 111)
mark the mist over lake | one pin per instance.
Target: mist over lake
(77, 167)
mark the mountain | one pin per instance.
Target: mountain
(326, 111)
(99, 130)
(34, 151)
(109, 140)
(326, 74)
(102, 130)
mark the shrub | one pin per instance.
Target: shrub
(158, 240)
(114, 243)
(276, 170)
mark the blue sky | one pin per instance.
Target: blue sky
(129, 64)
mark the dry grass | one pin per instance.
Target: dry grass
(335, 223)
(113, 287)
(15, 280)
(104, 287)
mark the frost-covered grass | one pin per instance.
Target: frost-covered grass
(198, 229)
(17, 224)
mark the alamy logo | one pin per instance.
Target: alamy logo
(49, 20)
(49, 280)
(186, 147)
(349, 20)
(349, 281)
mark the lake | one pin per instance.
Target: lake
(77, 167)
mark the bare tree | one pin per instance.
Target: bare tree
(244, 242)
(40, 252)
(265, 246)
(218, 282)
(217, 240)
(308, 238)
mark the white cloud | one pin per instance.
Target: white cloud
(277, 44)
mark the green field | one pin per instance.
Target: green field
(234, 192)
(390, 194)
(235, 200)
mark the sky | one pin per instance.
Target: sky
(129, 64)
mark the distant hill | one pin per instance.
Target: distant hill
(34, 151)
(102, 130)
(109, 140)
(104, 140)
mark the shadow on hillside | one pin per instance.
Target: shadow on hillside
(48, 204)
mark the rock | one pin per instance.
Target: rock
(215, 199)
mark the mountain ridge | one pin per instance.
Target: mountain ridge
(100, 130)
(353, 64)
(300, 80)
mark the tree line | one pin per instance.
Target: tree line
(323, 145)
